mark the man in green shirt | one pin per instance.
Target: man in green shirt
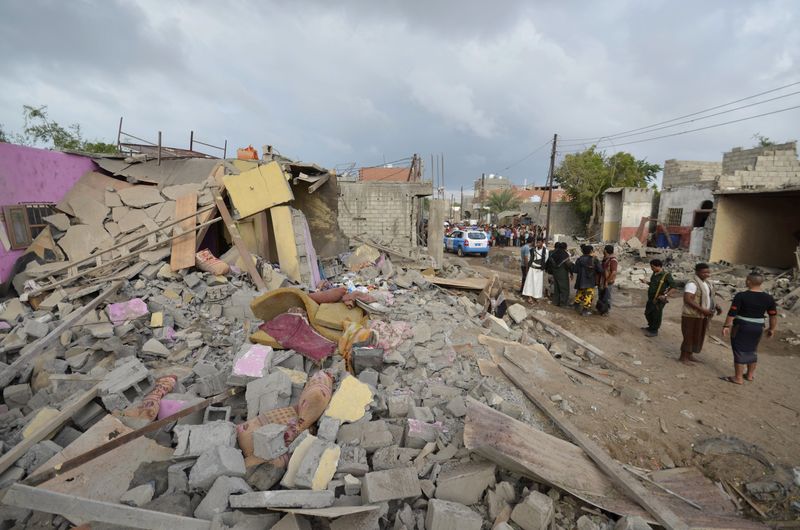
(660, 286)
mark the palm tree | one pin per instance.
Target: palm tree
(500, 201)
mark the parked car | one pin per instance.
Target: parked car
(467, 242)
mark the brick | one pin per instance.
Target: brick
(446, 515)
(380, 486)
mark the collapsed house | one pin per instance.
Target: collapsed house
(149, 384)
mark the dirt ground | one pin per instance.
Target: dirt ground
(685, 404)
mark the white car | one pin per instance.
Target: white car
(467, 242)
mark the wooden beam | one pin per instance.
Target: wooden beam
(182, 255)
(104, 512)
(582, 343)
(8, 459)
(610, 467)
(323, 179)
(247, 258)
(476, 284)
(39, 346)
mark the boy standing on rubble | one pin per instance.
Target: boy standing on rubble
(699, 307)
(660, 286)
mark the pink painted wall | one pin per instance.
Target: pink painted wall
(28, 174)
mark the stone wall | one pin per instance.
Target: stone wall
(771, 167)
(679, 173)
(384, 211)
(563, 218)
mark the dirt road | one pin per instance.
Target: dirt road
(684, 404)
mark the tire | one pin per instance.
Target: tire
(460, 252)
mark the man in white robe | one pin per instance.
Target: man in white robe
(534, 283)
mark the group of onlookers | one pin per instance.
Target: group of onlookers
(594, 278)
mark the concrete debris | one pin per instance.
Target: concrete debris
(535, 512)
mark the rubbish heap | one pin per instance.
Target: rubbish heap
(380, 397)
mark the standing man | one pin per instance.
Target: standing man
(587, 272)
(534, 282)
(745, 325)
(524, 258)
(560, 266)
(660, 286)
(699, 307)
(607, 279)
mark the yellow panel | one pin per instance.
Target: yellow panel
(257, 189)
(611, 231)
(244, 165)
(285, 242)
(247, 230)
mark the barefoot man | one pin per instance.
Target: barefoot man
(745, 325)
(699, 307)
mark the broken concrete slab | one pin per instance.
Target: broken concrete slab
(131, 309)
(268, 393)
(88, 210)
(446, 515)
(154, 347)
(138, 496)
(465, 483)
(140, 196)
(518, 313)
(59, 220)
(535, 512)
(81, 240)
(283, 499)
(194, 440)
(318, 465)
(391, 484)
(131, 220)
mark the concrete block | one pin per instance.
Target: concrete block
(38, 454)
(352, 485)
(264, 476)
(400, 405)
(370, 377)
(216, 414)
(318, 465)
(35, 328)
(446, 515)
(253, 361)
(534, 513)
(216, 500)
(328, 428)
(632, 522)
(128, 378)
(138, 496)
(298, 454)
(17, 396)
(422, 414)
(268, 441)
(10, 476)
(367, 358)
(88, 416)
(210, 385)
(518, 313)
(457, 407)
(177, 479)
(400, 483)
(214, 463)
(465, 483)
(283, 499)
(268, 393)
(418, 433)
(193, 440)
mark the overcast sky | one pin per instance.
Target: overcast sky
(368, 81)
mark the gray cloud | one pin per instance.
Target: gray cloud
(364, 81)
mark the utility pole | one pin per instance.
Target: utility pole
(483, 195)
(461, 204)
(550, 190)
(444, 192)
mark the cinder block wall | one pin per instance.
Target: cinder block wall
(762, 167)
(679, 173)
(384, 211)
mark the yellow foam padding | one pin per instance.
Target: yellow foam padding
(334, 315)
(350, 400)
(262, 337)
(279, 301)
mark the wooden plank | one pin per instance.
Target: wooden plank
(611, 467)
(588, 373)
(322, 180)
(582, 343)
(247, 258)
(285, 242)
(182, 256)
(8, 459)
(477, 284)
(538, 365)
(36, 348)
(104, 512)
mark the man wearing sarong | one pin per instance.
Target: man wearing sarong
(745, 325)
(534, 283)
(699, 307)
(560, 266)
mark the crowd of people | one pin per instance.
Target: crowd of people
(750, 313)
(503, 235)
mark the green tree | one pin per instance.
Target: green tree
(762, 140)
(40, 129)
(3, 135)
(500, 201)
(586, 175)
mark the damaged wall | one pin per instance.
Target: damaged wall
(678, 173)
(321, 210)
(385, 212)
(34, 175)
(762, 167)
(623, 209)
(757, 229)
(563, 218)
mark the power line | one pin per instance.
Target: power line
(609, 138)
(548, 142)
(699, 128)
(685, 115)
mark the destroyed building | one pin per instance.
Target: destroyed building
(192, 347)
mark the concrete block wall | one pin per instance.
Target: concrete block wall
(763, 167)
(689, 198)
(385, 211)
(679, 173)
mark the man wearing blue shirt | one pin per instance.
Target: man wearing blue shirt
(524, 256)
